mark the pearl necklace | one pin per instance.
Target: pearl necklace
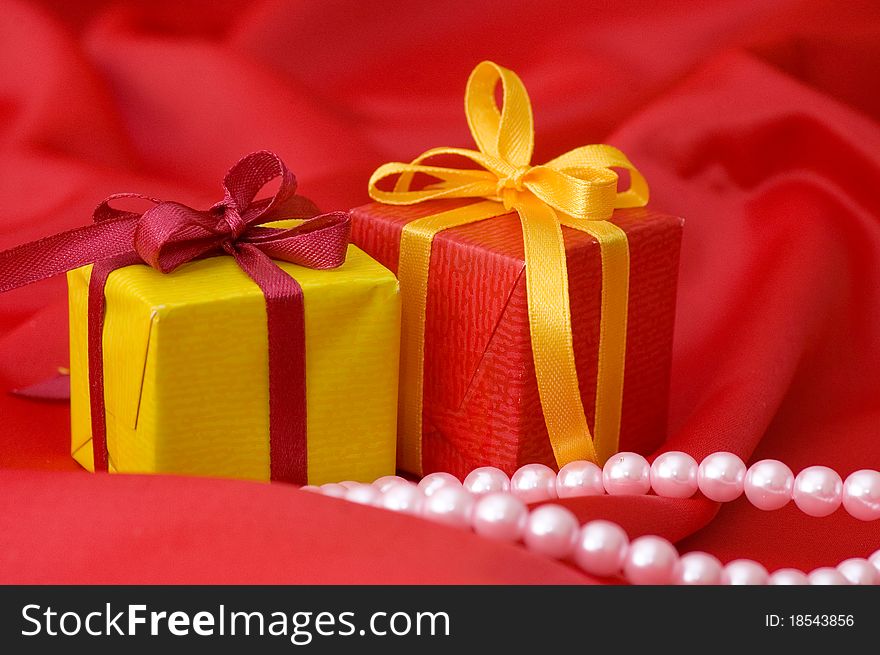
(494, 506)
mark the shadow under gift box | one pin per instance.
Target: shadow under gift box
(480, 404)
(186, 370)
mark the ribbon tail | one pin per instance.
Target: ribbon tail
(614, 251)
(285, 324)
(551, 336)
(38, 260)
(96, 306)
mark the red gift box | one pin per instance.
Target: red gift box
(480, 396)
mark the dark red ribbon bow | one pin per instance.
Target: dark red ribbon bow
(170, 234)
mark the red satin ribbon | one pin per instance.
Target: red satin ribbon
(170, 234)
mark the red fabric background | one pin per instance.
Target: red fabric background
(757, 121)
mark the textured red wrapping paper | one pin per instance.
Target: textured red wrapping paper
(480, 401)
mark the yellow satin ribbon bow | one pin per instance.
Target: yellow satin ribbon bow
(578, 190)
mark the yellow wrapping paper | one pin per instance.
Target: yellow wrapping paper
(186, 370)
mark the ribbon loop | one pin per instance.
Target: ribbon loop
(106, 212)
(319, 243)
(590, 195)
(171, 234)
(587, 160)
(244, 180)
(577, 189)
(508, 133)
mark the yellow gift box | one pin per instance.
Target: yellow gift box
(186, 370)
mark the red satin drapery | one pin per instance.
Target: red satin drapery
(757, 121)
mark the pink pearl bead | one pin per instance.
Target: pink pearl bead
(697, 568)
(674, 475)
(486, 479)
(435, 481)
(601, 548)
(768, 484)
(386, 481)
(404, 497)
(827, 576)
(861, 495)
(449, 505)
(720, 477)
(500, 515)
(363, 494)
(650, 560)
(859, 571)
(875, 560)
(627, 474)
(333, 490)
(579, 479)
(533, 483)
(551, 531)
(744, 572)
(817, 491)
(788, 577)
